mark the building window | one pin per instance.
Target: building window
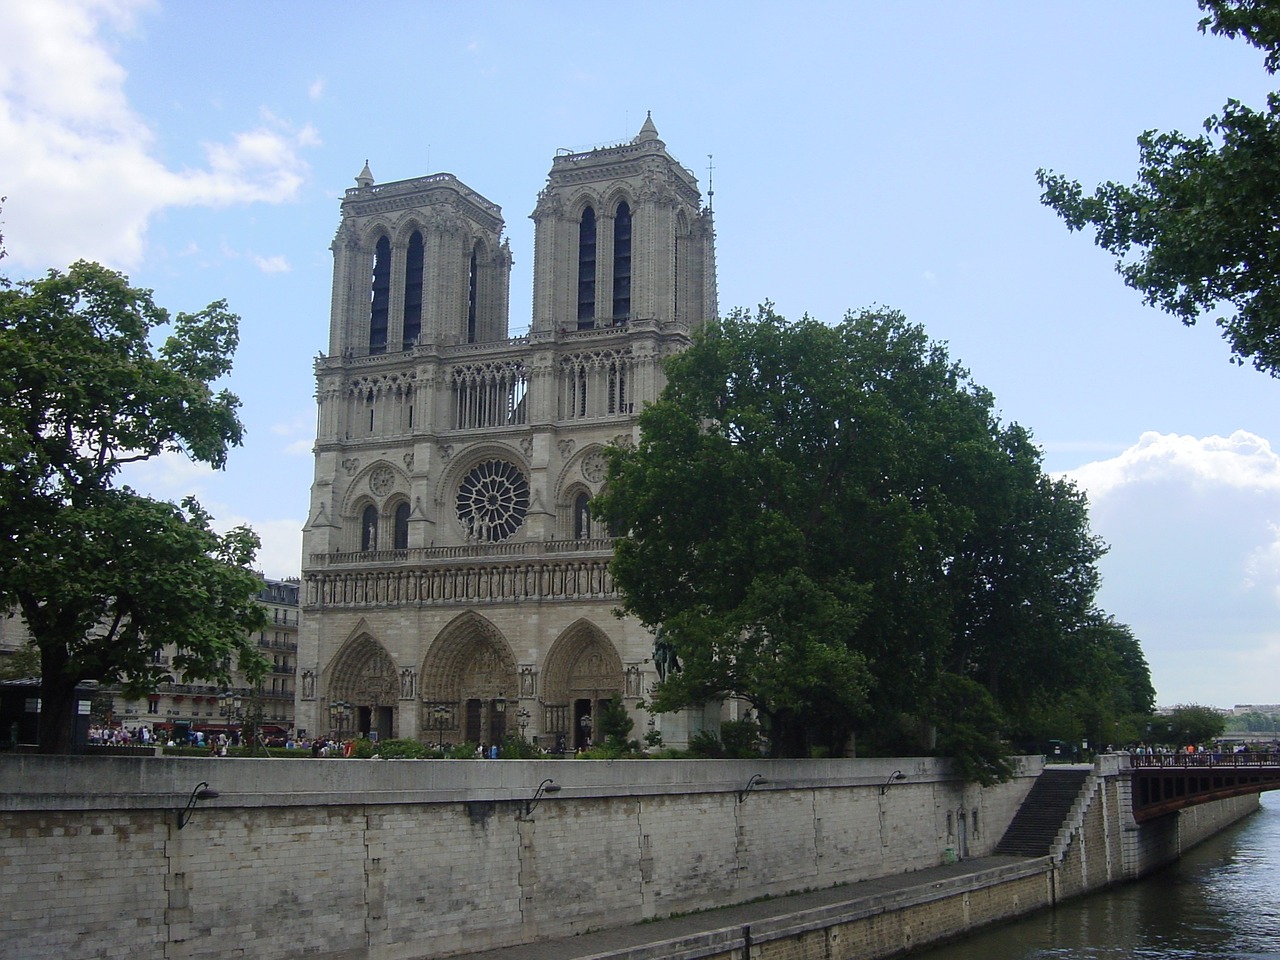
(472, 287)
(402, 527)
(492, 501)
(587, 270)
(622, 263)
(413, 291)
(381, 297)
(489, 395)
(369, 528)
(153, 706)
(582, 517)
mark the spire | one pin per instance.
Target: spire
(365, 179)
(648, 131)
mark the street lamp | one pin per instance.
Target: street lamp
(442, 715)
(522, 717)
(339, 711)
(229, 706)
(585, 724)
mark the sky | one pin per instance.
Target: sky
(861, 153)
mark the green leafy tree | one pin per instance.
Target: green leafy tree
(20, 664)
(830, 523)
(741, 739)
(104, 577)
(1197, 233)
(615, 721)
(1191, 723)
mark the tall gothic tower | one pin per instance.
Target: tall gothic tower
(455, 584)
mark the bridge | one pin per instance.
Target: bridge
(1165, 782)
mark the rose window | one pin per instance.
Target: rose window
(493, 499)
(382, 480)
(594, 466)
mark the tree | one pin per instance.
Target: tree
(103, 576)
(830, 523)
(22, 663)
(1191, 723)
(1198, 231)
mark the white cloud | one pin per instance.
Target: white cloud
(275, 264)
(316, 90)
(81, 177)
(169, 476)
(281, 552)
(1242, 461)
(1194, 567)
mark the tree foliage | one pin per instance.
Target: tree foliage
(1191, 723)
(1198, 232)
(104, 577)
(830, 523)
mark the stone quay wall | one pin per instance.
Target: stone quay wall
(391, 860)
(346, 859)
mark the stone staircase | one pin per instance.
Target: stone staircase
(1036, 825)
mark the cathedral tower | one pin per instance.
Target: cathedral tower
(455, 584)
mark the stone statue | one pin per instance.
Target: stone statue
(664, 654)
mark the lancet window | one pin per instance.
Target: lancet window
(622, 263)
(587, 270)
(596, 385)
(401, 532)
(369, 528)
(413, 268)
(490, 395)
(582, 516)
(472, 295)
(380, 297)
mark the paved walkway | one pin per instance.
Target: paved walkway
(616, 942)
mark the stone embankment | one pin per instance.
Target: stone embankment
(374, 860)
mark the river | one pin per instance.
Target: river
(1222, 900)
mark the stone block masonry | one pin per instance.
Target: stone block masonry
(406, 859)
(393, 860)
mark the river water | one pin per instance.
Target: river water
(1222, 900)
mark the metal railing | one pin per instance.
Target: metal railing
(1204, 758)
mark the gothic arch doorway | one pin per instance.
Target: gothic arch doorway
(469, 684)
(363, 689)
(583, 671)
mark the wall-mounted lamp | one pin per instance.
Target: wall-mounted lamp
(896, 775)
(201, 792)
(546, 786)
(754, 782)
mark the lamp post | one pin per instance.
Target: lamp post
(339, 710)
(441, 713)
(522, 717)
(585, 724)
(230, 706)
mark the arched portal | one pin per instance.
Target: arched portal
(469, 684)
(583, 670)
(363, 690)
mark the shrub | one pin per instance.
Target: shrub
(741, 739)
(705, 745)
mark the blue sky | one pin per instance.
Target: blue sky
(864, 153)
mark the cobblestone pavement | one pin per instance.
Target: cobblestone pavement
(612, 942)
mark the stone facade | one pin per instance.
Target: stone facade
(455, 586)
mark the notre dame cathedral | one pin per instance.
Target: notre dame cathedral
(455, 585)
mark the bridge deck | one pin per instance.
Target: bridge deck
(1165, 782)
